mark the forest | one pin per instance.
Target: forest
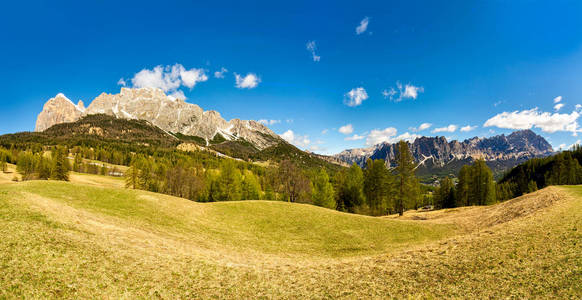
(373, 190)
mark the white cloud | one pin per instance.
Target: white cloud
(354, 137)
(388, 135)
(346, 129)
(558, 106)
(578, 106)
(407, 91)
(297, 140)
(557, 99)
(269, 122)
(311, 47)
(421, 127)
(468, 128)
(168, 78)
(363, 26)
(121, 82)
(450, 128)
(324, 131)
(355, 96)
(250, 81)
(389, 93)
(411, 91)
(526, 119)
(220, 74)
(378, 136)
(562, 147)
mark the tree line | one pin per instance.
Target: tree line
(475, 186)
(562, 168)
(376, 190)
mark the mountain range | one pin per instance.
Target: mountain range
(168, 113)
(250, 139)
(436, 155)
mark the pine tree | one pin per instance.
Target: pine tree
(322, 191)
(462, 197)
(350, 189)
(445, 194)
(376, 186)
(482, 191)
(61, 165)
(406, 180)
(78, 163)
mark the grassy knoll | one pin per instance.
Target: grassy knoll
(93, 240)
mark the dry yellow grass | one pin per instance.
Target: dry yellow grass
(72, 240)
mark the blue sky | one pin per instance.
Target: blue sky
(459, 63)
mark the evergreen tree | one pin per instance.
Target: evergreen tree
(445, 194)
(351, 189)
(482, 191)
(228, 184)
(78, 163)
(251, 189)
(61, 165)
(406, 182)
(322, 191)
(3, 161)
(376, 186)
(44, 167)
(463, 186)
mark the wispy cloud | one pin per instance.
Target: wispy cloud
(421, 127)
(402, 92)
(354, 137)
(557, 99)
(311, 47)
(269, 122)
(450, 128)
(355, 96)
(468, 128)
(558, 106)
(363, 26)
(250, 81)
(220, 73)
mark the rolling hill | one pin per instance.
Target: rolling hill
(92, 239)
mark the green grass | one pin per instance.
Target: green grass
(267, 226)
(72, 240)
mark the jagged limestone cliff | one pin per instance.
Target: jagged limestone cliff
(153, 105)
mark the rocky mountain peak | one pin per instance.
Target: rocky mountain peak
(168, 113)
(436, 152)
(59, 109)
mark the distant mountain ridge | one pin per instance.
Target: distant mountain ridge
(436, 155)
(168, 113)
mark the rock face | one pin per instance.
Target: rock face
(434, 153)
(153, 105)
(59, 110)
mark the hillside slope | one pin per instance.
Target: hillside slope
(75, 240)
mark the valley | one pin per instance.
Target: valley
(91, 238)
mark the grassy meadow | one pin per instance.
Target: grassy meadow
(91, 238)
